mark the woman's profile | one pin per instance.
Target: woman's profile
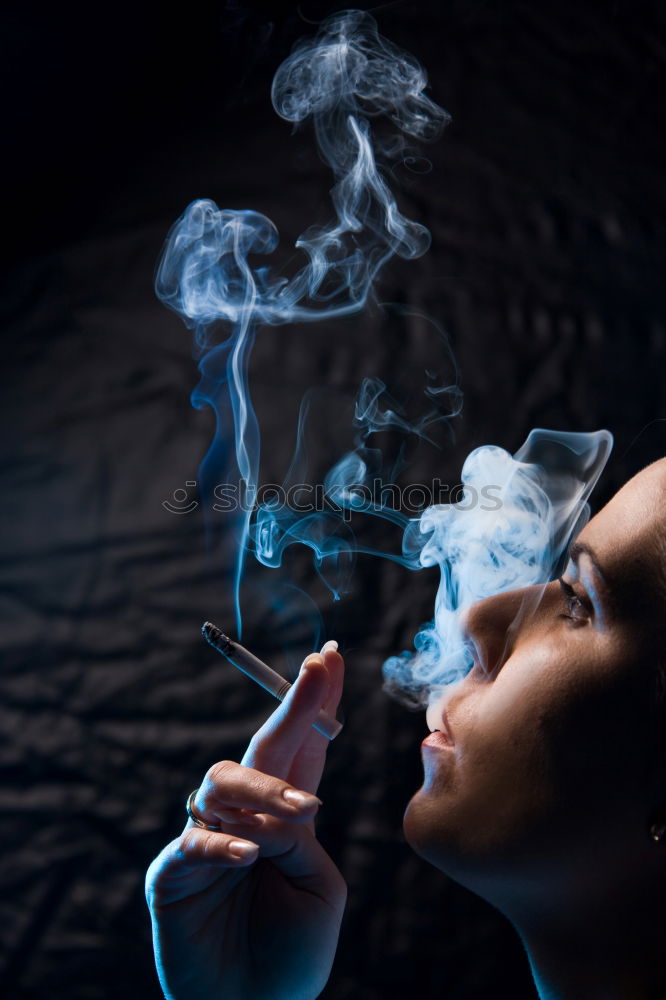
(544, 792)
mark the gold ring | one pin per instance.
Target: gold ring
(197, 819)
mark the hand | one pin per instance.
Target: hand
(253, 912)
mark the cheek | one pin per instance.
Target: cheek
(504, 775)
(595, 751)
(543, 752)
(589, 723)
(509, 792)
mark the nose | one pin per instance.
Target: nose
(494, 625)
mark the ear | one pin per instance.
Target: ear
(657, 824)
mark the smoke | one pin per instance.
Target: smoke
(509, 530)
(353, 485)
(516, 514)
(340, 80)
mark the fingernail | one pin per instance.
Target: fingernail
(300, 799)
(242, 849)
(331, 644)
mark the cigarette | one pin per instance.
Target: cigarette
(265, 676)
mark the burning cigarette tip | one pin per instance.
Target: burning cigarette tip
(215, 637)
(262, 674)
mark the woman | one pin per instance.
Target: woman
(544, 792)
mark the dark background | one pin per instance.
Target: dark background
(546, 204)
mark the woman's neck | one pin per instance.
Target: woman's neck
(618, 955)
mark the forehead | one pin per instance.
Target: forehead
(629, 533)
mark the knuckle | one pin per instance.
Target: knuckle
(188, 844)
(210, 846)
(220, 772)
(200, 846)
(234, 784)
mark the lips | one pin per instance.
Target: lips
(438, 741)
(442, 737)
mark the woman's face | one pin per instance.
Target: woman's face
(552, 776)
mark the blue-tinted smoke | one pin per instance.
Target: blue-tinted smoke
(341, 79)
(350, 487)
(517, 513)
(511, 536)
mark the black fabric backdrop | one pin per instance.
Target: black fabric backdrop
(546, 205)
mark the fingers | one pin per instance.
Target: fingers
(335, 666)
(257, 813)
(308, 762)
(217, 848)
(190, 864)
(234, 794)
(193, 863)
(273, 747)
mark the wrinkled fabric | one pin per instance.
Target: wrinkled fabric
(546, 204)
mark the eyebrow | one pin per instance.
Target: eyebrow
(608, 598)
(577, 549)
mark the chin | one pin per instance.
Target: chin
(422, 826)
(488, 858)
(439, 833)
(442, 846)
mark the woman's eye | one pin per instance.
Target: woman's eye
(576, 609)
